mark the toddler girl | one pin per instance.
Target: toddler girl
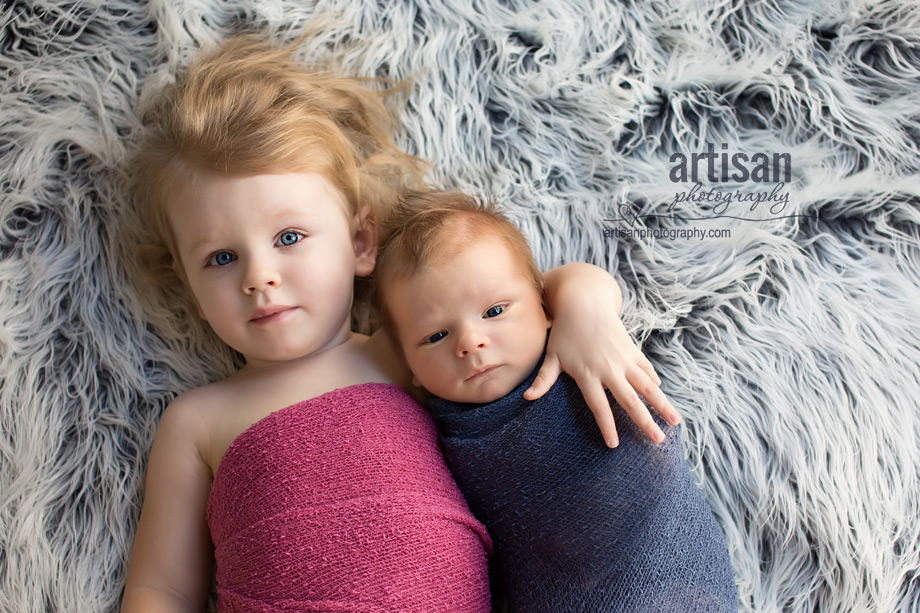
(310, 476)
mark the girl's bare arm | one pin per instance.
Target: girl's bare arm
(170, 567)
(591, 344)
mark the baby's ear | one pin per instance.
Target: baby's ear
(364, 227)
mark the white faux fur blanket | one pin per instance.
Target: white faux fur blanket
(785, 321)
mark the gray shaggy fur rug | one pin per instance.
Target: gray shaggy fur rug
(779, 300)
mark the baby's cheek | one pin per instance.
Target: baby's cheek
(425, 375)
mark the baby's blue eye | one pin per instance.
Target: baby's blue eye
(221, 258)
(288, 238)
(434, 338)
(495, 311)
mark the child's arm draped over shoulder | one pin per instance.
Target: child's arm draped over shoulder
(170, 567)
(589, 341)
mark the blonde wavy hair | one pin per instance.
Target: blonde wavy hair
(247, 108)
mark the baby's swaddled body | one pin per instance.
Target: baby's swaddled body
(343, 503)
(578, 526)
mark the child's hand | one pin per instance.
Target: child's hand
(589, 342)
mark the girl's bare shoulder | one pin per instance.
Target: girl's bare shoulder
(197, 418)
(196, 408)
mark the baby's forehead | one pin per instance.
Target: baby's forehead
(448, 247)
(461, 231)
(480, 267)
(429, 252)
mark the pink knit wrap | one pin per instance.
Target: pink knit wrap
(343, 503)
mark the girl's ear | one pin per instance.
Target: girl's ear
(365, 241)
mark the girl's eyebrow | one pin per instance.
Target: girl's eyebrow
(204, 242)
(207, 240)
(298, 216)
(291, 211)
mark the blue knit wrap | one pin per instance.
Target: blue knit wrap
(578, 526)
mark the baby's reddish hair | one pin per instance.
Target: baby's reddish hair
(426, 226)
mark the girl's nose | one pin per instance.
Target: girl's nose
(471, 341)
(259, 276)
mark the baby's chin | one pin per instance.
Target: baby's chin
(490, 393)
(484, 392)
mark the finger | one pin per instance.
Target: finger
(646, 366)
(548, 374)
(660, 402)
(636, 409)
(654, 396)
(596, 398)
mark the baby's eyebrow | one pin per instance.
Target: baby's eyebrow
(423, 328)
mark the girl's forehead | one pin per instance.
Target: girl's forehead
(284, 190)
(220, 203)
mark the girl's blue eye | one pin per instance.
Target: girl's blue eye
(288, 238)
(495, 311)
(221, 258)
(434, 338)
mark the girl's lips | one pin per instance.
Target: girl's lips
(482, 371)
(269, 314)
